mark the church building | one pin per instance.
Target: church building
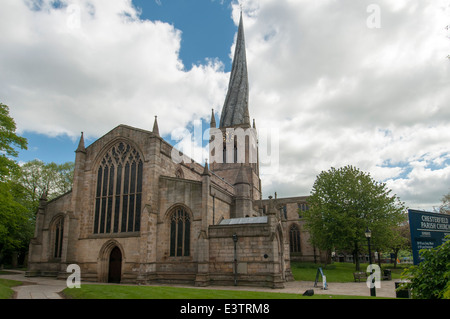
(137, 215)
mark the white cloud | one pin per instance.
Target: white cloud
(345, 94)
(93, 65)
(339, 92)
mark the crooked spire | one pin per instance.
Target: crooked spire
(235, 110)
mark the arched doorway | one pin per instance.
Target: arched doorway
(115, 265)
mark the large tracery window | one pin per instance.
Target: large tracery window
(119, 191)
(180, 233)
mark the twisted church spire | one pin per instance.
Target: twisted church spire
(235, 110)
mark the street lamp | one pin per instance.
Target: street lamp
(368, 234)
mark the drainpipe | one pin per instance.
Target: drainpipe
(235, 239)
(214, 209)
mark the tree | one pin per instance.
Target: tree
(16, 222)
(445, 207)
(401, 240)
(36, 177)
(21, 199)
(9, 141)
(22, 186)
(344, 203)
(13, 215)
(430, 279)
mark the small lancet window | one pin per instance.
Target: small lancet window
(58, 233)
(294, 239)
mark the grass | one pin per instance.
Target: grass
(155, 292)
(336, 272)
(5, 288)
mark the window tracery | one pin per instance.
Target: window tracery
(119, 191)
(180, 232)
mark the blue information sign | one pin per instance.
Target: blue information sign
(428, 230)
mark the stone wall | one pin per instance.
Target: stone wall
(290, 212)
(258, 256)
(261, 249)
(41, 259)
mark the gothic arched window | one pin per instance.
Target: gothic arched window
(119, 191)
(57, 234)
(294, 239)
(180, 232)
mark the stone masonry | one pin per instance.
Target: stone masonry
(137, 215)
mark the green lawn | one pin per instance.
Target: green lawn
(154, 292)
(336, 272)
(5, 288)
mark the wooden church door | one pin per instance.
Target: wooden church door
(115, 266)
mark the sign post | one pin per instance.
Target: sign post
(428, 230)
(324, 279)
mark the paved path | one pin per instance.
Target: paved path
(49, 288)
(299, 287)
(36, 287)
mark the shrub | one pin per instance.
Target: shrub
(430, 279)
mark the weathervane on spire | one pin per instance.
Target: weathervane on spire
(241, 4)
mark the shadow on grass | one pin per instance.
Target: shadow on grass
(156, 292)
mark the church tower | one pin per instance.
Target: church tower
(234, 151)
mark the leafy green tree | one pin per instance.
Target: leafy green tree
(401, 239)
(430, 279)
(37, 177)
(22, 186)
(62, 178)
(16, 222)
(13, 216)
(445, 207)
(9, 141)
(23, 191)
(344, 203)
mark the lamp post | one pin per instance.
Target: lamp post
(235, 239)
(368, 234)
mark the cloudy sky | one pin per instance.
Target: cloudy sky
(341, 82)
